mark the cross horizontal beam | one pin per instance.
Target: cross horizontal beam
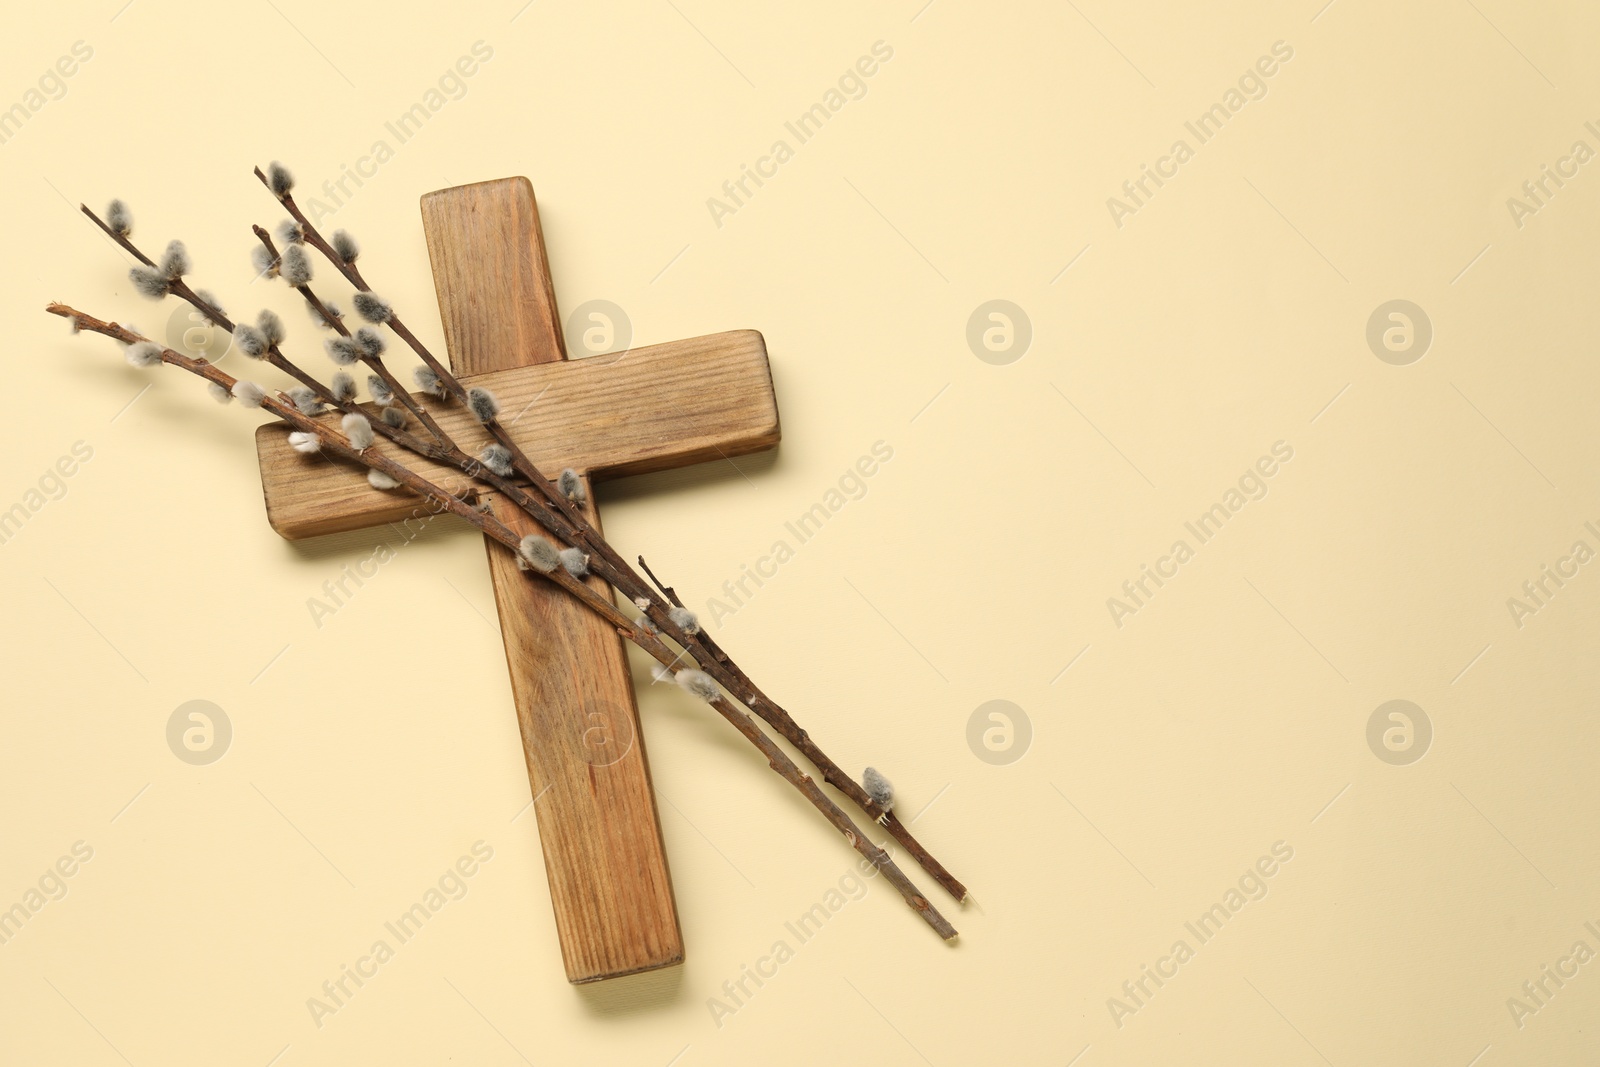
(647, 409)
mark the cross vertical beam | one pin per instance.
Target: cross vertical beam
(598, 824)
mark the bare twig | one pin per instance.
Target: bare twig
(609, 564)
(338, 444)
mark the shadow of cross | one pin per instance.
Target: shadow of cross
(647, 409)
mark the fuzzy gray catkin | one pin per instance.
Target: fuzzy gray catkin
(263, 262)
(540, 553)
(248, 393)
(142, 354)
(395, 418)
(483, 404)
(149, 281)
(301, 441)
(175, 260)
(205, 297)
(382, 395)
(249, 340)
(358, 430)
(119, 218)
(345, 245)
(342, 350)
(271, 326)
(290, 232)
(294, 266)
(279, 180)
(343, 387)
(370, 342)
(685, 620)
(570, 484)
(497, 458)
(373, 308)
(319, 318)
(306, 400)
(700, 684)
(878, 788)
(576, 563)
(428, 381)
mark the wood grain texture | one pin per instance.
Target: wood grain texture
(647, 409)
(598, 826)
(599, 829)
(490, 233)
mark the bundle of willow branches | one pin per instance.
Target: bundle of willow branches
(571, 548)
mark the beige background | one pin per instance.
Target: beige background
(1167, 755)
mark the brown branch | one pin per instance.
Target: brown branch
(718, 664)
(115, 236)
(339, 445)
(519, 459)
(335, 322)
(274, 356)
(373, 363)
(445, 452)
(332, 441)
(448, 450)
(785, 766)
(607, 563)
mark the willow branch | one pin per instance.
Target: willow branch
(373, 363)
(339, 445)
(274, 355)
(609, 564)
(519, 459)
(446, 451)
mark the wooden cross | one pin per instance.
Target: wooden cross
(646, 409)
